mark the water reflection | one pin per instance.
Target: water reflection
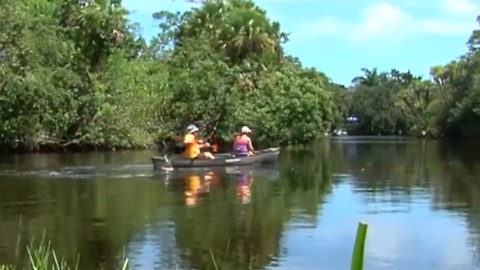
(244, 182)
(227, 234)
(420, 198)
(195, 185)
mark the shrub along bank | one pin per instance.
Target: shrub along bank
(77, 74)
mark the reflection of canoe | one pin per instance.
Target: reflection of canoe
(174, 179)
(221, 160)
(260, 172)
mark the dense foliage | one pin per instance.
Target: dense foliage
(446, 105)
(78, 73)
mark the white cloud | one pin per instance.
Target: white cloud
(446, 28)
(460, 7)
(415, 3)
(384, 21)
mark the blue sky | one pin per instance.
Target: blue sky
(341, 37)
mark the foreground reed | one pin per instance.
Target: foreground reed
(43, 257)
(359, 247)
(357, 255)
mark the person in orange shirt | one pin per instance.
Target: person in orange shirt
(193, 145)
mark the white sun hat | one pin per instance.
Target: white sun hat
(245, 129)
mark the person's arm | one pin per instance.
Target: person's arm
(235, 141)
(250, 146)
(204, 145)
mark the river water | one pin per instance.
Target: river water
(421, 200)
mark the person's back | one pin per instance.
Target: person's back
(192, 149)
(240, 146)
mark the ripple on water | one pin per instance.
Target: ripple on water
(85, 172)
(392, 199)
(300, 219)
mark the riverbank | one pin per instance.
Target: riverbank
(170, 145)
(105, 88)
(167, 144)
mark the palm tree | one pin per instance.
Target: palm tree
(370, 78)
(238, 27)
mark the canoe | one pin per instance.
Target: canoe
(221, 160)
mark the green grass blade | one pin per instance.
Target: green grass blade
(125, 265)
(359, 248)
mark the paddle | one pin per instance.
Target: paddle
(213, 141)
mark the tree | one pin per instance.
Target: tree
(238, 27)
(370, 78)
